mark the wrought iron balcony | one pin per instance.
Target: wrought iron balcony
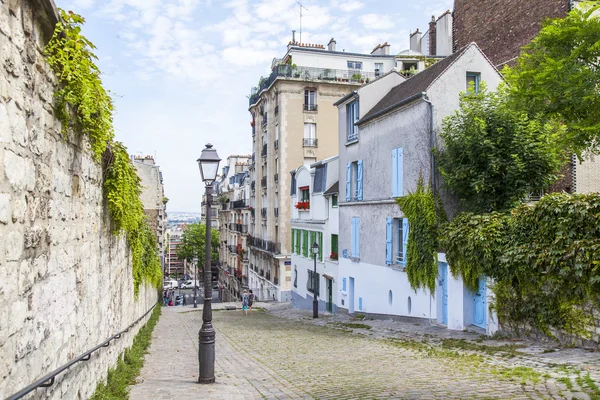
(263, 181)
(287, 71)
(309, 142)
(263, 212)
(263, 152)
(310, 107)
(238, 204)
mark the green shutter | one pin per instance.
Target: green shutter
(320, 236)
(298, 241)
(293, 233)
(305, 243)
(334, 244)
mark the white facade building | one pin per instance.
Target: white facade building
(383, 151)
(315, 219)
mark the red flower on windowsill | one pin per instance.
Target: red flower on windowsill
(303, 205)
(333, 255)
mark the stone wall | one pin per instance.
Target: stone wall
(501, 27)
(66, 282)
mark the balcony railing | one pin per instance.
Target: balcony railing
(310, 107)
(310, 74)
(241, 228)
(263, 181)
(309, 142)
(276, 144)
(263, 212)
(238, 204)
(262, 244)
(263, 152)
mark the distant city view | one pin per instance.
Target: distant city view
(178, 217)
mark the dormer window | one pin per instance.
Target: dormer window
(351, 120)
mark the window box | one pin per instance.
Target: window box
(303, 205)
(333, 255)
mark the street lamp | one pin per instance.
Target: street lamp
(315, 250)
(209, 165)
(195, 283)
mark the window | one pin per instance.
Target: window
(310, 134)
(344, 284)
(378, 69)
(334, 201)
(310, 284)
(354, 65)
(398, 172)
(334, 247)
(293, 185)
(473, 82)
(354, 180)
(295, 276)
(304, 193)
(396, 241)
(351, 119)
(355, 237)
(320, 178)
(310, 100)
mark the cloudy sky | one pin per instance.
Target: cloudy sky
(180, 71)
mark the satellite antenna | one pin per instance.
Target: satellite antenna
(301, 7)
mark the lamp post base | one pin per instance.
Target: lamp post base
(206, 354)
(315, 308)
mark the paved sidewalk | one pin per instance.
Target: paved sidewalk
(285, 354)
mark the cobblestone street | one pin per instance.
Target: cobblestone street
(282, 353)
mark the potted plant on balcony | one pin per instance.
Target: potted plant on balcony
(333, 255)
(303, 205)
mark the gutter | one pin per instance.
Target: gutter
(389, 108)
(352, 94)
(432, 162)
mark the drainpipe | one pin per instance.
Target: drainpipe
(431, 141)
(432, 166)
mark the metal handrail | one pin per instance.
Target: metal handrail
(48, 380)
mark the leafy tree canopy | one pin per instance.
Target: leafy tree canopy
(558, 74)
(494, 155)
(193, 243)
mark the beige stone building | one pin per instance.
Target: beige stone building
(294, 123)
(153, 199)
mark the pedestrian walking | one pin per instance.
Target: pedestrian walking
(245, 300)
(250, 301)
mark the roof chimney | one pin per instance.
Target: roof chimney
(432, 36)
(385, 48)
(415, 41)
(331, 45)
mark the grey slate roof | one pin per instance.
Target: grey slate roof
(411, 88)
(334, 189)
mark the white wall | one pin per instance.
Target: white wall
(325, 59)
(371, 93)
(443, 35)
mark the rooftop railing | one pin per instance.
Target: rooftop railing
(310, 74)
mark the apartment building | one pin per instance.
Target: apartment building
(232, 194)
(174, 267)
(293, 123)
(154, 200)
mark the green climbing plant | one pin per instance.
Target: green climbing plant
(83, 105)
(421, 210)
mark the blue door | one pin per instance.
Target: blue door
(479, 300)
(444, 284)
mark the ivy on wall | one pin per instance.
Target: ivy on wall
(544, 260)
(83, 105)
(421, 264)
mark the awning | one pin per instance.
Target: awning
(328, 277)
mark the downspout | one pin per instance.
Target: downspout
(432, 167)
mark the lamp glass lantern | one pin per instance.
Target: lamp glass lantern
(315, 248)
(209, 164)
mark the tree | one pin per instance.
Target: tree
(558, 74)
(494, 155)
(193, 243)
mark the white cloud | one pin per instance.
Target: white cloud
(82, 4)
(349, 6)
(376, 22)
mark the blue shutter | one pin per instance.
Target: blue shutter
(388, 242)
(394, 172)
(359, 180)
(348, 178)
(400, 171)
(344, 284)
(357, 226)
(405, 238)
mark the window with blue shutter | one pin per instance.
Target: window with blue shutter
(405, 229)
(398, 172)
(359, 180)
(348, 181)
(388, 241)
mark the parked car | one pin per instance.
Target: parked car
(190, 284)
(170, 284)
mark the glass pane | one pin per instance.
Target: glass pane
(350, 64)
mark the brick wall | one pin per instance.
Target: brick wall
(502, 27)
